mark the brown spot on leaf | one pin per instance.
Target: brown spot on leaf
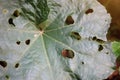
(69, 20)
(89, 11)
(67, 53)
(3, 64)
(16, 13)
(27, 42)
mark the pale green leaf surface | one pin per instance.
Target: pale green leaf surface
(42, 59)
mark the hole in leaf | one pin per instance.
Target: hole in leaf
(82, 62)
(107, 52)
(17, 65)
(100, 48)
(94, 38)
(27, 42)
(18, 42)
(69, 20)
(16, 13)
(98, 40)
(89, 11)
(67, 53)
(3, 64)
(10, 21)
(76, 35)
(7, 77)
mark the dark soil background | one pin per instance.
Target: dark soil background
(113, 7)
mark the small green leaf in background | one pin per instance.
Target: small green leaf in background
(116, 48)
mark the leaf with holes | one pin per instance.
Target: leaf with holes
(54, 40)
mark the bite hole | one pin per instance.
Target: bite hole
(94, 38)
(27, 42)
(68, 53)
(16, 13)
(82, 62)
(98, 40)
(89, 11)
(69, 20)
(75, 35)
(100, 48)
(3, 64)
(18, 42)
(10, 21)
(17, 65)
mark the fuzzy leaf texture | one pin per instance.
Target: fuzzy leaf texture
(54, 40)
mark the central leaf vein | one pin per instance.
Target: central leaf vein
(47, 58)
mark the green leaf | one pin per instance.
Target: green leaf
(36, 11)
(116, 48)
(52, 40)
